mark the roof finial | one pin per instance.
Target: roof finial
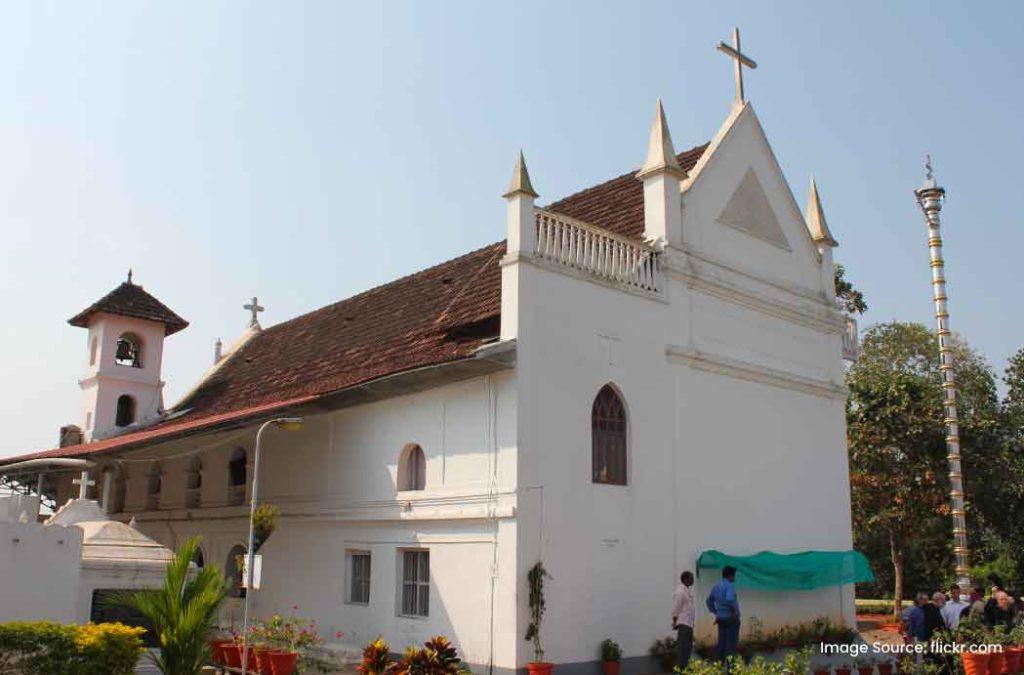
(816, 218)
(741, 59)
(129, 275)
(928, 173)
(520, 179)
(661, 155)
(255, 308)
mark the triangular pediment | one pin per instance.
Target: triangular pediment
(749, 212)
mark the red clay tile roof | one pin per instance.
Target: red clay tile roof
(442, 314)
(129, 299)
(617, 205)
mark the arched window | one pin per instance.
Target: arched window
(233, 571)
(129, 351)
(194, 483)
(412, 468)
(608, 437)
(117, 494)
(154, 484)
(199, 558)
(237, 477)
(125, 410)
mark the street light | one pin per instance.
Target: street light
(286, 424)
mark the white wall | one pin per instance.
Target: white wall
(39, 567)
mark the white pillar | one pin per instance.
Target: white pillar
(521, 221)
(662, 177)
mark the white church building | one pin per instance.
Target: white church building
(639, 372)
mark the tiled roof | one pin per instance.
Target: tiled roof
(617, 205)
(130, 299)
(442, 314)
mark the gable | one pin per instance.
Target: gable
(748, 211)
(738, 210)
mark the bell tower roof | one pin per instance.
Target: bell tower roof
(129, 299)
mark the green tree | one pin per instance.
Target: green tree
(852, 299)
(182, 612)
(898, 469)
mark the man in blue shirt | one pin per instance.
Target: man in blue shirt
(723, 604)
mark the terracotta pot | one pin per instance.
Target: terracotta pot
(865, 670)
(975, 664)
(842, 670)
(997, 663)
(261, 660)
(282, 662)
(885, 668)
(823, 671)
(217, 651)
(611, 667)
(1013, 659)
(232, 652)
(539, 668)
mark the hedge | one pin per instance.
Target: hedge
(49, 648)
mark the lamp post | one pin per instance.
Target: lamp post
(287, 424)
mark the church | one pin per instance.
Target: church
(637, 373)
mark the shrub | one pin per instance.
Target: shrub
(376, 657)
(49, 648)
(663, 650)
(610, 650)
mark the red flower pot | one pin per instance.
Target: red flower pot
(823, 671)
(539, 668)
(865, 670)
(261, 660)
(611, 667)
(282, 663)
(842, 670)
(885, 668)
(975, 664)
(232, 652)
(1013, 659)
(217, 651)
(997, 663)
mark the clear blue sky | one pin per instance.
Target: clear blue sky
(305, 151)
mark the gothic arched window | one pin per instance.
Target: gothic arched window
(193, 482)
(233, 571)
(237, 477)
(412, 468)
(199, 558)
(117, 495)
(608, 437)
(129, 351)
(154, 484)
(125, 414)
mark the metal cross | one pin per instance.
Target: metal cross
(83, 484)
(255, 308)
(733, 52)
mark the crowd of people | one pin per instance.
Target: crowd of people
(944, 612)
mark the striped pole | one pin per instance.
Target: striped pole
(930, 197)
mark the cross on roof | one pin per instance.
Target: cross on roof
(741, 59)
(83, 484)
(255, 308)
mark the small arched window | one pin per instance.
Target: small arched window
(199, 558)
(120, 489)
(237, 477)
(129, 351)
(193, 482)
(608, 437)
(154, 485)
(233, 571)
(412, 468)
(125, 410)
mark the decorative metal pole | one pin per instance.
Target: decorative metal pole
(930, 197)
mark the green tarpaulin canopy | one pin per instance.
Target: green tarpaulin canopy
(792, 571)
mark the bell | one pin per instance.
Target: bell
(125, 350)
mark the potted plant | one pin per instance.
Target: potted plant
(885, 668)
(663, 650)
(997, 664)
(843, 669)
(864, 665)
(288, 639)
(971, 632)
(611, 656)
(1015, 649)
(535, 583)
(376, 657)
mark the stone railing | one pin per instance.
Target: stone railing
(599, 253)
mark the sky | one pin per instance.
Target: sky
(306, 151)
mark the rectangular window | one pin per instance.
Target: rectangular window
(359, 577)
(415, 583)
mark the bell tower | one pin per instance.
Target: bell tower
(124, 350)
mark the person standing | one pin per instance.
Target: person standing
(933, 620)
(953, 608)
(723, 603)
(999, 610)
(683, 614)
(916, 619)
